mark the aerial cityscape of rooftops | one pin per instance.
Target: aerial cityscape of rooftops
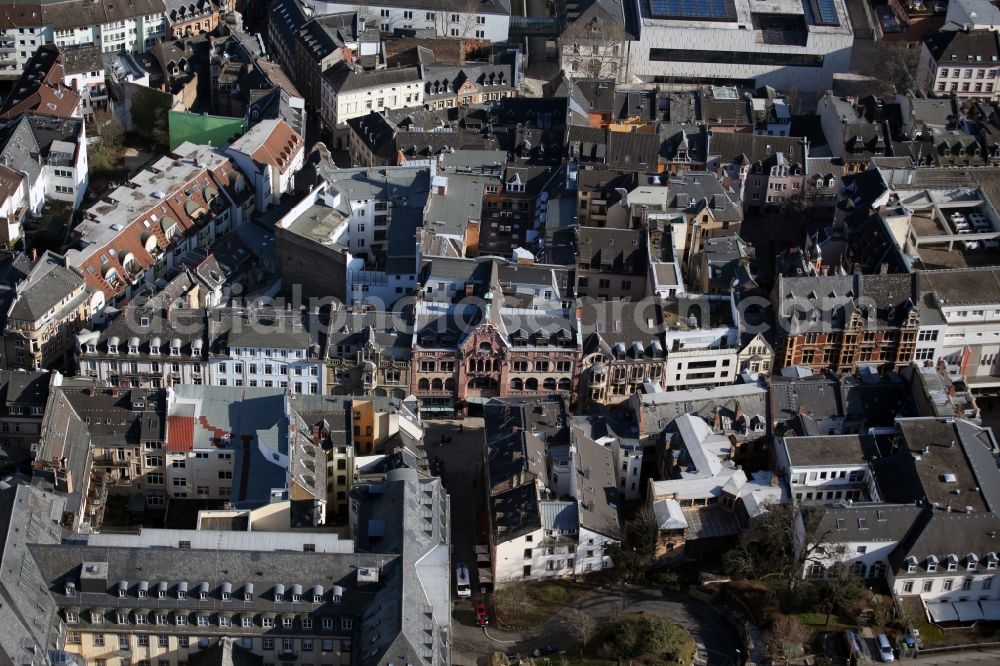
(499, 332)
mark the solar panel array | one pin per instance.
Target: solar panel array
(825, 12)
(709, 10)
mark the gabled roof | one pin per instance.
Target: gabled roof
(270, 142)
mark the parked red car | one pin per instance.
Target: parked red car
(482, 617)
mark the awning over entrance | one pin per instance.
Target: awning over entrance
(942, 612)
(968, 611)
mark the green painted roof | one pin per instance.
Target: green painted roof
(202, 129)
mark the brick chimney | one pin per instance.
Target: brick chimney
(737, 411)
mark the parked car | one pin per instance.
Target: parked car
(885, 648)
(482, 616)
(544, 651)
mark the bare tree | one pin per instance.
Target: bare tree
(843, 593)
(773, 547)
(783, 641)
(892, 67)
(594, 49)
(108, 128)
(511, 601)
(582, 627)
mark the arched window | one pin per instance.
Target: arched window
(449, 384)
(423, 384)
(565, 384)
(485, 346)
(517, 384)
(531, 384)
(549, 384)
(437, 384)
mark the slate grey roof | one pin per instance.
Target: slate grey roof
(823, 396)
(612, 250)
(60, 563)
(658, 410)
(878, 523)
(409, 516)
(750, 149)
(47, 286)
(342, 78)
(597, 486)
(65, 437)
(942, 534)
(164, 327)
(82, 59)
(27, 389)
(963, 47)
(390, 332)
(959, 448)
(27, 616)
(829, 450)
(607, 323)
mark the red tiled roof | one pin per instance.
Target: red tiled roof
(280, 147)
(180, 433)
(130, 239)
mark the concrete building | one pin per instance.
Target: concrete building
(785, 45)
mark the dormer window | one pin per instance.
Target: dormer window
(952, 563)
(991, 561)
(72, 617)
(932, 563)
(911, 564)
(279, 592)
